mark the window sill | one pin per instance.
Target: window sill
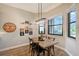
(57, 34)
(72, 37)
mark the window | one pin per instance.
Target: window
(55, 26)
(50, 27)
(72, 24)
(42, 27)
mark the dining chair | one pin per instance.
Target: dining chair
(35, 48)
(30, 45)
(53, 46)
(39, 50)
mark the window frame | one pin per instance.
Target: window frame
(69, 23)
(55, 25)
(49, 26)
(39, 28)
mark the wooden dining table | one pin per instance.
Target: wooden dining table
(47, 43)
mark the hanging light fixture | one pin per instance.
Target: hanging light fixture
(40, 12)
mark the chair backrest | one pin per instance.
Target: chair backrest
(30, 40)
(53, 39)
(32, 43)
(49, 37)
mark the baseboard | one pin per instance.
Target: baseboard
(14, 47)
(65, 50)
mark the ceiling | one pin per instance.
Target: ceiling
(33, 7)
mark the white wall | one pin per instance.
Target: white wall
(16, 16)
(77, 28)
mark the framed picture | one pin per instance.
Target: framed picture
(26, 30)
(9, 27)
(30, 31)
(22, 31)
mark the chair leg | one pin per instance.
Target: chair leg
(43, 53)
(37, 53)
(33, 52)
(49, 49)
(53, 50)
(29, 49)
